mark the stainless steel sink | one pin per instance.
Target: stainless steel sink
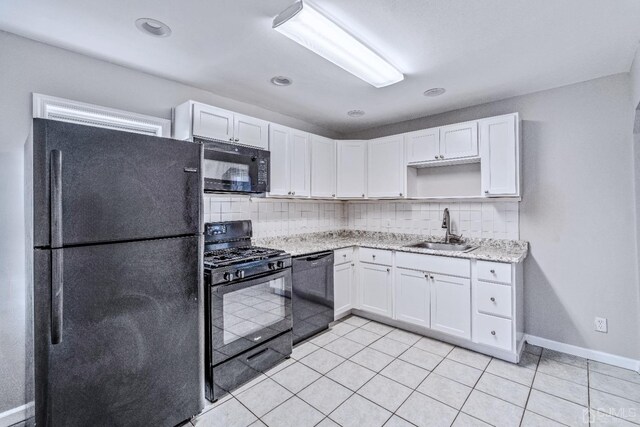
(438, 246)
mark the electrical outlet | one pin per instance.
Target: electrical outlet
(601, 324)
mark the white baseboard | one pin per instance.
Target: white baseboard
(598, 356)
(15, 415)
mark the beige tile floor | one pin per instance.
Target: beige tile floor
(365, 374)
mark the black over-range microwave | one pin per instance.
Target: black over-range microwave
(232, 168)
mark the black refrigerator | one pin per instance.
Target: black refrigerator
(116, 270)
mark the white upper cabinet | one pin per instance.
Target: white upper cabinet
(251, 131)
(352, 169)
(300, 164)
(196, 119)
(422, 145)
(323, 167)
(444, 144)
(499, 142)
(212, 122)
(290, 162)
(459, 141)
(279, 145)
(386, 164)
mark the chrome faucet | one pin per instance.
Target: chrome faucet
(446, 224)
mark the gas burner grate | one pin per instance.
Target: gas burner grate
(222, 257)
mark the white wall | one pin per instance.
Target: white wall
(25, 67)
(577, 210)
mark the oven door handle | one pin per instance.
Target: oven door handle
(236, 285)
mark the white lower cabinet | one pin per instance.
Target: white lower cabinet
(412, 297)
(375, 288)
(451, 305)
(343, 288)
(477, 304)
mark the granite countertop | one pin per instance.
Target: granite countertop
(509, 251)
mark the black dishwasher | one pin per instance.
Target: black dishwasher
(312, 296)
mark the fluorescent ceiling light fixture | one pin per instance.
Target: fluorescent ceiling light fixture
(308, 27)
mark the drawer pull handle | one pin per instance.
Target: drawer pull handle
(492, 299)
(260, 353)
(492, 271)
(493, 332)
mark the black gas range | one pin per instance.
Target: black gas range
(247, 305)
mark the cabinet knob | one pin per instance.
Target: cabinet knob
(344, 255)
(237, 140)
(486, 191)
(231, 139)
(362, 194)
(493, 332)
(388, 270)
(352, 265)
(293, 193)
(289, 192)
(441, 156)
(400, 194)
(333, 195)
(492, 271)
(437, 157)
(492, 299)
(431, 277)
(374, 256)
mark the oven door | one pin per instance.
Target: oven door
(245, 314)
(235, 169)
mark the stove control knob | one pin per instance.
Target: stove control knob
(272, 266)
(240, 274)
(228, 276)
(280, 264)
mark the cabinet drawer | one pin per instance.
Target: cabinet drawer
(434, 264)
(494, 272)
(341, 256)
(493, 331)
(492, 298)
(376, 256)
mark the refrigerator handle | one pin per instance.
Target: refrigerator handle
(57, 282)
(57, 263)
(56, 198)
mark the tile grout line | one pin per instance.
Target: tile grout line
(526, 403)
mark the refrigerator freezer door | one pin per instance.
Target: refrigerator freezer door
(128, 350)
(114, 186)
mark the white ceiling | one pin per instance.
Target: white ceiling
(479, 50)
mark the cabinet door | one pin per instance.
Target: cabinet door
(459, 140)
(300, 164)
(375, 289)
(423, 145)
(343, 288)
(352, 170)
(451, 305)
(323, 167)
(212, 122)
(251, 131)
(279, 137)
(386, 163)
(499, 152)
(412, 297)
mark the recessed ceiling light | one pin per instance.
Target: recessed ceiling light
(281, 81)
(436, 91)
(153, 27)
(355, 113)
(308, 27)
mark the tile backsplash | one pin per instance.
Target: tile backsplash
(280, 217)
(277, 217)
